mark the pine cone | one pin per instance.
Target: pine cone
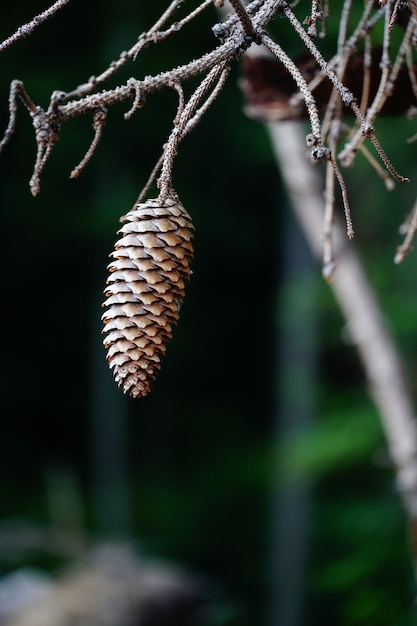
(145, 290)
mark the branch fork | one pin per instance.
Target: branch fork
(245, 25)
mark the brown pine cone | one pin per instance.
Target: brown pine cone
(145, 290)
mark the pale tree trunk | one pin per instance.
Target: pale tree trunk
(358, 303)
(368, 330)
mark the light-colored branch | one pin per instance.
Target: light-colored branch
(178, 132)
(359, 305)
(301, 83)
(243, 16)
(232, 48)
(153, 35)
(26, 29)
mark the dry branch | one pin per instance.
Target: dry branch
(29, 27)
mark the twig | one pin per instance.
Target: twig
(329, 265)
(192, 123)
(323, 153)
(382, 172)
(153, 35)
(385, 159)
(177, 134)
(29, 27)
(345, 94)
(189, 126)
(47, 123)
(343, 26)
(311, 20)
(98, 123)
(406, 246)
(385, 87)
(345, 197)
(16, 90)
(367, 61)
(151, 179)
(302, 85)
(394, 14)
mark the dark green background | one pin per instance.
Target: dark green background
(190, 472)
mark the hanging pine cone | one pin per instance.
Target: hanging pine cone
(145, 290)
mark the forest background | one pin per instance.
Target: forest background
(258, 460)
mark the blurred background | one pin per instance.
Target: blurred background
(253, 485)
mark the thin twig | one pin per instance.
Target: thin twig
(411, 71)
(16, 90)
(345, 94)
(190, 125)
(366, 84)
(150, 83)
(151, 179)
(343, 26)
(177, 134)
(323, 153)
(311, 20)
(386, 85)
(98, 123)
(345, 197)
(381, 171)
(384, 158)
(300, 81)
(406, 246)
(152, 35)
(329, 265)
(26, 29)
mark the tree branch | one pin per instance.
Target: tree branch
(29, 27)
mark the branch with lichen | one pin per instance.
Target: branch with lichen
(243, 25)
(27, 29)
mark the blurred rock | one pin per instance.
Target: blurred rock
(22, 588)
(112, 586)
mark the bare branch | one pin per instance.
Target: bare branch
(411, 228)
(16, 89)
(189, 126)
(385, 87)
(345, 197)
(301, 84)
(153, 35)
(149, 84)
(29, 27)
(244, 18)
(98, 123)
(177, 134)
(346, 95)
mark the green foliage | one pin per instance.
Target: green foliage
(338, 441)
